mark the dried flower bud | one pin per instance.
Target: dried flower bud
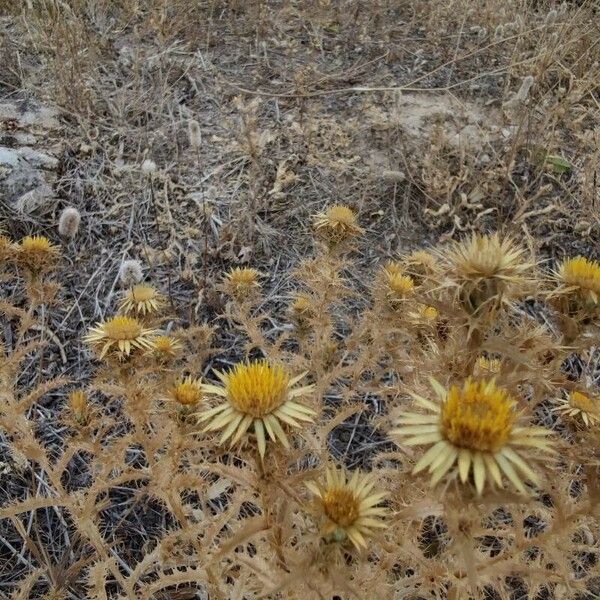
(195, 134)
(35, 253)
(78, 405)
(68, 223)
(130, 273)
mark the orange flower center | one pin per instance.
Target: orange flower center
(122, 328)
(477, 417)
(341, 506)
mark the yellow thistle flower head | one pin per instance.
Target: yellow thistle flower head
(187, 392)
(260, 394)
(429, 313)
(580, 406)
(581, 278)
(142, 300)
(424, 315)
(337, 224)
(121, 333)
(165, 347)
(486, 367)
(35, 253)
(78, 404)
(487, 267)
(398, 286)
(348, 506)
(474, 427)
(241, 282)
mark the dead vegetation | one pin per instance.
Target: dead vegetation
(195, 140)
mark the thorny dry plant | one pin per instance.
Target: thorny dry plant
(402, 403)
(493, 472)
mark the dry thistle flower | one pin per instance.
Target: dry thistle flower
(260, 394)
(337, 224)
(195, 135)
(348, 506)
(130, 273)
(78, 405)
(420, 265)
(68, 223)
(579, 279)
(126, 333)
(141, 299)
(578, 405)
(187, 392)
(486, 268)
(35, 253)
(241, 282)
(301, 310)
(474, 426)
(165, 347)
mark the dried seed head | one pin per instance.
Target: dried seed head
(487, 270)
(130, 273)
(68, 223)
(148, 167)
(302, 310)
(194, 133)
(337, 224)
(241, 282)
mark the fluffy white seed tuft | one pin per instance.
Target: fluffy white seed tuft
(148, 167)
(130, 273)
(68, 223)
(194, 133)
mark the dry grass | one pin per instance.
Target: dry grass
(414, 114)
